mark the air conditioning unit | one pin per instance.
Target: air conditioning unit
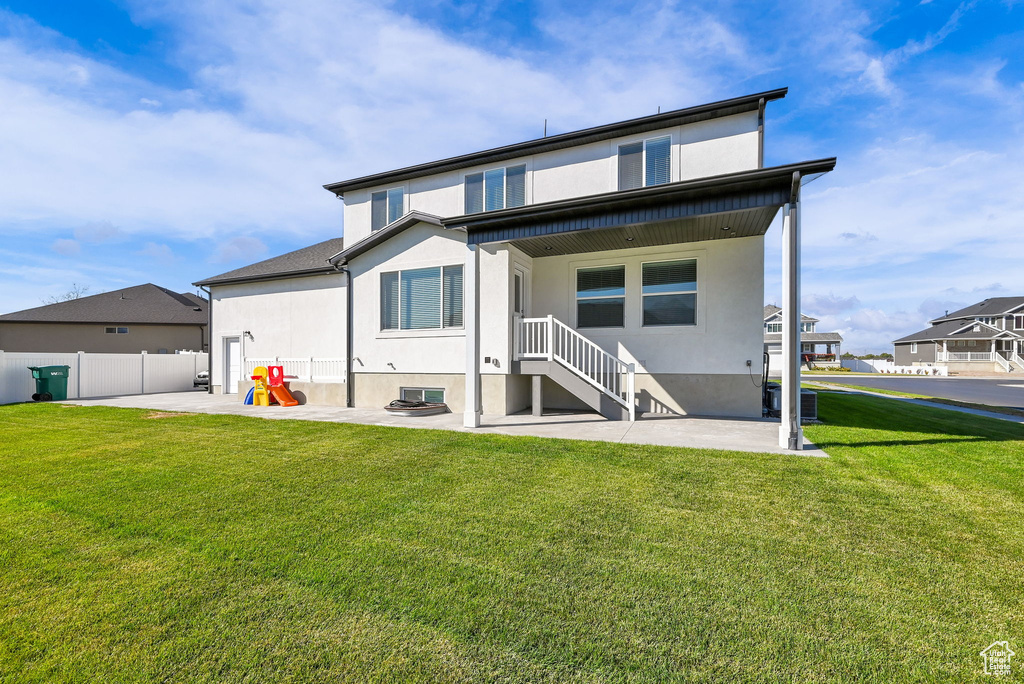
(808, 402)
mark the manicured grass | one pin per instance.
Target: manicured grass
(220, 548)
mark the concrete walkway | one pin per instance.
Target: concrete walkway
(919, 402)
(732, 434)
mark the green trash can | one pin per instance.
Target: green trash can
(51, 382)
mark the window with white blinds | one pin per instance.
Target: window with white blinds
(421, 299)
(386, 206)
(645, 163)
(496, 189)
(669, 292)
(600, 297)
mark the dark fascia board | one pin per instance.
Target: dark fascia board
(326, 270)
(741, 180)
(383, 235)
(713, 110)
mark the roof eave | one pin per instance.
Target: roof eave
(266, 276)
(607, 131)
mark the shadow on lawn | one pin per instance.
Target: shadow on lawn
(895, 424)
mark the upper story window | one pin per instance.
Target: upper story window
(601, 297)
(496, 189)
(1018, 322)
(988, 320)
(807, 327)
(773, 327)
(644, 163)
(669, 292)
(421, 298)
(386, 206)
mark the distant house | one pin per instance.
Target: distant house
(130, 320)
(987, 336)
(816, 348)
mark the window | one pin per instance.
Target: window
(600, 297)
(913, 347)
(116, 331)
(386, 206)
(972, 343)
(669, 293)
(807, 327)
(773, 327)
(1018, 322)
(496, 189)
(431, 395)
(807, 348)
(645, 163)
(421, 299)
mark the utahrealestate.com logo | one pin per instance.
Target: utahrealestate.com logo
(997, 658)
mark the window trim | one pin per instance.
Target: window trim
(387, 205)
(576, 299)
(694, 292)
(913, 347)
(1018, 321)
(483, 185)
(400, 331)
(643, 159)
(768, 328)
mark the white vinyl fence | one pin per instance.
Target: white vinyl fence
(306, 368)
(101, 375)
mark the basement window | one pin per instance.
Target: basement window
(433, 395)
(116, 331)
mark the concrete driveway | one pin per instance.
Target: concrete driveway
(760, 436)
(1006, 390)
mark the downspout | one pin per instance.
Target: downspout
(209, 336)
(348, 333)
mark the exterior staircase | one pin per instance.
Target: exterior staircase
(548, 347)
(1016, 362)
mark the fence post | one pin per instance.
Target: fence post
(631, 390)
(78, 375)
(551, 337)
(310, 369)
(4, 380)
(142, 379)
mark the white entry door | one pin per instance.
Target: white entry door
(232, 364)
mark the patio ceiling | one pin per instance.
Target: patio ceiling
(731, 205)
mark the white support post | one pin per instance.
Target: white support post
(142, 378)
(631, 391)
(471, 275)
(791, 434)
(551, 337)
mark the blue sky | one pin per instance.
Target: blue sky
(165, 142)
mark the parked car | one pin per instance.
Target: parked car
(202, 379)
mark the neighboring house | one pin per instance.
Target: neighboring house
(126, 321)
(619, 268)
(821, 349)
(987, 336)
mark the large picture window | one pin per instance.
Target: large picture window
(669, 293)
(496, 189)
(644, 163)
(386, 206)
(421, 299)
(600, 297)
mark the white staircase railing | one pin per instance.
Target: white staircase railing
(1016, 358)
(1002, 362)
(551, 340)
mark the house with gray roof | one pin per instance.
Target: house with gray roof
(987, 336)
(124, 321)
(617, 268)
(817, 349)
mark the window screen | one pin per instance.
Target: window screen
(631, 160)
(515, 186)
(453, 296)
(421, 298)
(658, 162)
(389, 301)
(600, 297)
(474, 193)
(669, 292)
(396, 204)
(378, 210)
(494, 189)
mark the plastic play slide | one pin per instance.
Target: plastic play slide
(269, 388)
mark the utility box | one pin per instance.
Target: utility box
(51, 382)
(808, 402)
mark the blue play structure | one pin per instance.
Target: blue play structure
(248, 397)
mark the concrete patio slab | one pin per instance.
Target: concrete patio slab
(759, 436)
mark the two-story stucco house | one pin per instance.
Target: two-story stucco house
(987, 336)
(618, 268)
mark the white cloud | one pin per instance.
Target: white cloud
(157, 252)
(243, 248)
(67, 247)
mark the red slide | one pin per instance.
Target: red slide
(282, 395)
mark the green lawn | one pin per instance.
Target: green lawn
(218, 548)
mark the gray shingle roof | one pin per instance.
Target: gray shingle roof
(947, 330)
(140, 304)
(310, 260)
(990, 307)
(770, 310)
(384, 234)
